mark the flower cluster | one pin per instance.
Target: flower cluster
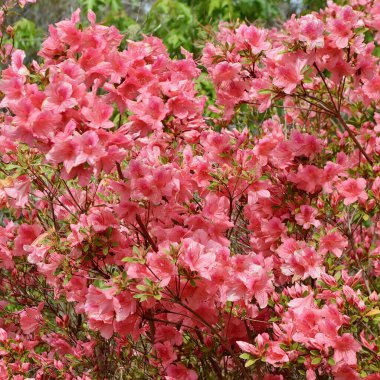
(141, 238)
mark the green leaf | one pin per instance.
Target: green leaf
(250, 362)
(373, 312)
(265, 92)
(100, 284)
(331, 361)
(316, 361)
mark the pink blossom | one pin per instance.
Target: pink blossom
(30, 318)
(161, 266)
(3, 335)
(98, 115)
(59, 97)
(308, 178)
(333, 242)
(302, 264)
(289, 73)
(247, 347)
(4, 375)
(276, 355)
(180, 372)
(100, 310)
(306, 217)
(345, 349)
(353, 190)
(66, 151)
(19, 190)
(311, 31)
(164, 353)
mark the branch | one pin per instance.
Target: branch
(145, 234)
(339, 117)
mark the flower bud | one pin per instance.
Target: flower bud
(373, 297)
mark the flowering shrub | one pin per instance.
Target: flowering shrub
(141, 239)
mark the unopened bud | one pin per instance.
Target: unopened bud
(373, 297)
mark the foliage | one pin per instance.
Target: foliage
(150, 233)
(186, 23)
(178, 22)
(29, 36)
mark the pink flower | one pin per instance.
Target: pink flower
(162, 267)
(100, 310)
(66, 151)
(91, 149)
(288, 73)
(260, 285)
(247, 347)
(196, 258)
(306, 217)
(124, 305)
(303, 263)
(165, 353)
(101, 219)
(308, 178)
(59, 97)
(345, 348)
(180, 372)
(311, 31)
(31, 318)
(345, 372)
(4, 375)
(24, 2)
(98, 114)
(303, 144)
(371, 88)
(26, 235)
(353, 190)
(340, 32)
(341, 27)
(333, 242)
(225, 71)
(275, 355)
(3, 335)
(255, 38)
(168, 333)
(19, 190)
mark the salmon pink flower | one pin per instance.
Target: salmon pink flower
(19, 190)
(59, 97)
(247, 347)
(306, 217)
(303, 263)
(311, 31)
(353, 190)
(275, 355)
(333, 242)
(31, 318)
(180, 372)
(289, 73)
(345, 349)
(162, 267)
(164, 353)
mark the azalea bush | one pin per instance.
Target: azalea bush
(149, 234)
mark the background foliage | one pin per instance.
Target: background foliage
(178, 22)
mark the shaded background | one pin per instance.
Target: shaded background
(178, 22)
